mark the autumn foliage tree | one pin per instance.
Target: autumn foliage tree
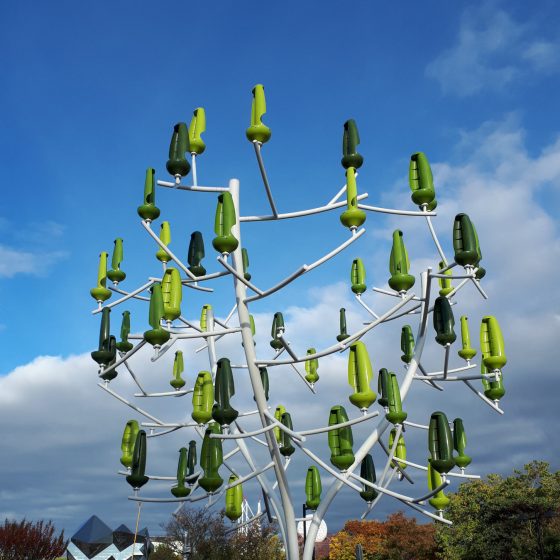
(397, 538)
(27, 540)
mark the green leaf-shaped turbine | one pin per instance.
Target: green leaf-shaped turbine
(196, 254)
(401, 281)
(128, 441)
(149, 211)
(225, 242)
(360, 374)
(101, 293)
(137, 477)
(234, 499)
(350, 141)
(196, 128)
(258, 131)
(421, 181)
(313, 488)
(340, 439)
(116, 275)
(224, 389)
(211, 459)
(177, 164)
(367, 472)
(440, 443)
(156, 336)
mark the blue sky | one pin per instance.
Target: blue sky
(89, 99)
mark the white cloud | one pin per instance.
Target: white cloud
(491, 52)
(29, 252)
(14, 261)
(543, 55)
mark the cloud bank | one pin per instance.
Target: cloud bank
(492, 52)
(62, 434)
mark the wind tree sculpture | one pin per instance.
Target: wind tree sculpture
(217, 424)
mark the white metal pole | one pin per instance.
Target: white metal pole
(292, 551)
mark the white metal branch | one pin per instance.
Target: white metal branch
(341, 345)
(307, 384)
(197, 188)
(257, 146)
(436, 241)
(285, 466)
(410, 311)
(397, 495)
(237, 482)
(449, 474)
(291, 433)
(448, 267)
(479, 288)
(439, 518)
(153, 434)
(459, 277)
(366, 307)
(173, 425)
(340, 425)
(454, 370)
(238, 526)
(158, 422)
(169, 478)
(431, 493)
(430, 382)
(223, 324)
(395, 464)
(207, 334)
(240, 277)
(324, 465)
(379, 496)
(210, 276)
(391, 455)
(483, 397)
(452, 378)
(303, 269)
(194, 170)
(457, 288)
(134, 378)
(174, 393)
(335, 198)
(299, 213)
(124, 293)
(446, 361)
(415, 425)
(128, 355)
(392, 293)
(176, 259)
(126, 297)
(164, 349)
(287, 347)
(189, 324)
(245, 434)
(394, 211)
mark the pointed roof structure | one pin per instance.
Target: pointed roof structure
(93, 537)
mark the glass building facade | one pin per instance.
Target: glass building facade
(95, 540)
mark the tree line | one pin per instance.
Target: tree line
(500, 518)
